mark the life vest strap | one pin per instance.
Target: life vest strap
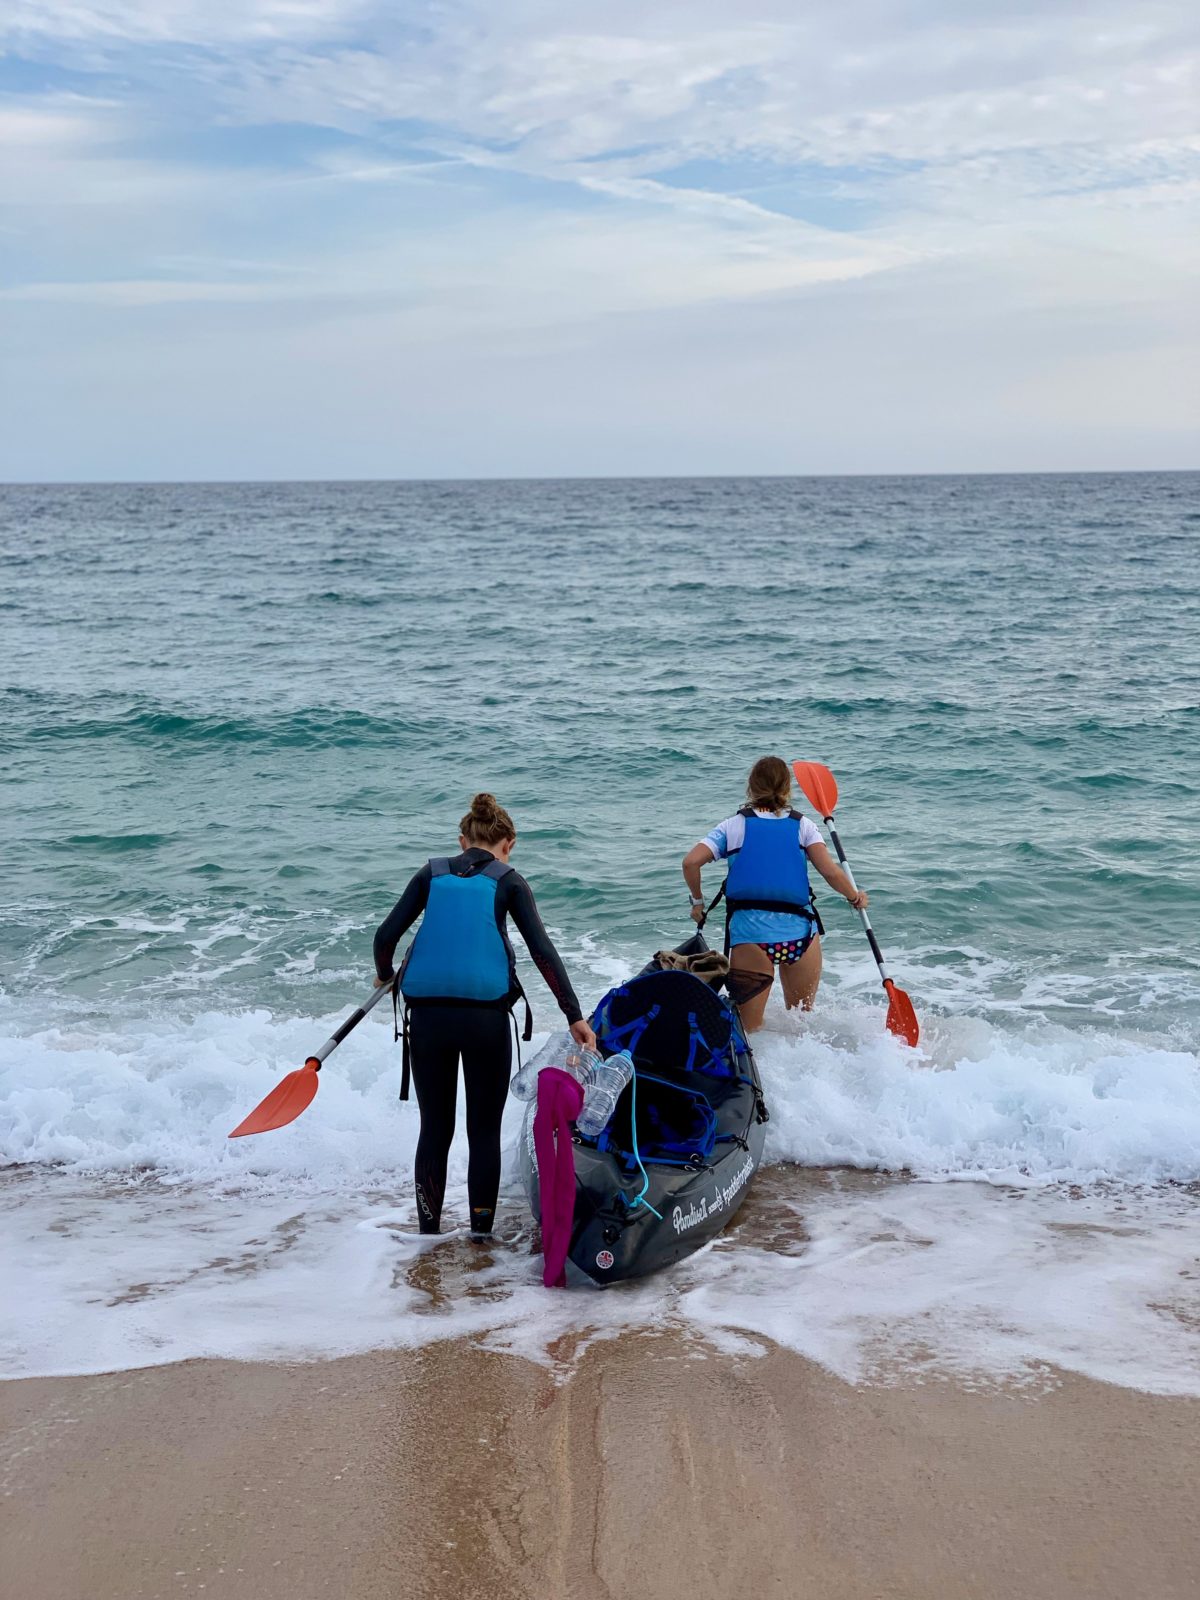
(505, 1002)
(508, 1004)
(439, 867)
(401, 1034)
(751, 811)
(794, 907)
(527, 1032)
(790, 907)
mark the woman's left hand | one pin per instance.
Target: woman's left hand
(860, 900)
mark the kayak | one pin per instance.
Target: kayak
(686, 1135)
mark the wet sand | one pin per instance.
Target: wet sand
(650, 1466)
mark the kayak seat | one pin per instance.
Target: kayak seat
(674, 1124)
(672, 1021)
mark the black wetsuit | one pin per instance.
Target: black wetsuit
(440, 1034)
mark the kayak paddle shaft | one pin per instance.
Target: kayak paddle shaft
(866, 921)
(352, 1021)
(292, 1094)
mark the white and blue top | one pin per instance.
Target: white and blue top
(762, 927)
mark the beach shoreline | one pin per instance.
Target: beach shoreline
(647, 1463)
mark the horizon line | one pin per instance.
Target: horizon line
(608, 477)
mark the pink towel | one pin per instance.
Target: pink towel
(559, 1102)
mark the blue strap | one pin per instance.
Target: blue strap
(693, 1041)
(629, 1033)
(640, 1199)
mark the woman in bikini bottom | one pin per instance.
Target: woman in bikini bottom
(773, 922)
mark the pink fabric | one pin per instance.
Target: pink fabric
(559, 1102)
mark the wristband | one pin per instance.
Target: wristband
(696, 899)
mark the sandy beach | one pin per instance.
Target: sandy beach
(648, 1464)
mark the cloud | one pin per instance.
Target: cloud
(148, 292)
(64, 23)
(368, 181)
(844, 86)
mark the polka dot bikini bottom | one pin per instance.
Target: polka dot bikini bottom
(784, 951)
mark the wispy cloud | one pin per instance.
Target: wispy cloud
(57, 25)
(458, 176)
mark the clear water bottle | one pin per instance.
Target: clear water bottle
(582, 1063)
(560, 1051)
(603, 1092)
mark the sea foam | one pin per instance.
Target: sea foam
(136, 1232)
(1033, 1103)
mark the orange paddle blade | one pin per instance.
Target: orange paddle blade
(901, 1018)
(285, 1102)
(819, 785)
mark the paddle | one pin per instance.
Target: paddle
(820, 785)
(294, 1094)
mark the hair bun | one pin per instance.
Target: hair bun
(487, 822)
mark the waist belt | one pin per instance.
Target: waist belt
(508, 1003)
(807, 910)
(810, 910)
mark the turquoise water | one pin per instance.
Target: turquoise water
(236, 718)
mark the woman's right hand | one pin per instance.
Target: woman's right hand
(698, 915)
(860, 899)
(582, 1033)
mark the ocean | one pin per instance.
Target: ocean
(238, 717)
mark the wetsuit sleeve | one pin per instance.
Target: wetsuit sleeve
(399, 920)
(519, 903)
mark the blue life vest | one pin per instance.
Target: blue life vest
(459, 952)
(770, 871)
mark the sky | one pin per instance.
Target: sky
(492, 238)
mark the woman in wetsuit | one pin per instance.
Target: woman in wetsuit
(771, 919)
(459, 980)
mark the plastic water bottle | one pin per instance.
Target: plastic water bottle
(560, 1051)
(603, 1092)
(582, 1063)
(552, 1053)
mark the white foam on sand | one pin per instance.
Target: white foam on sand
(988, 1284)
(875, 1279)
(135, 1232)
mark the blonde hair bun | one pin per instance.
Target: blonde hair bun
(487, 822)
